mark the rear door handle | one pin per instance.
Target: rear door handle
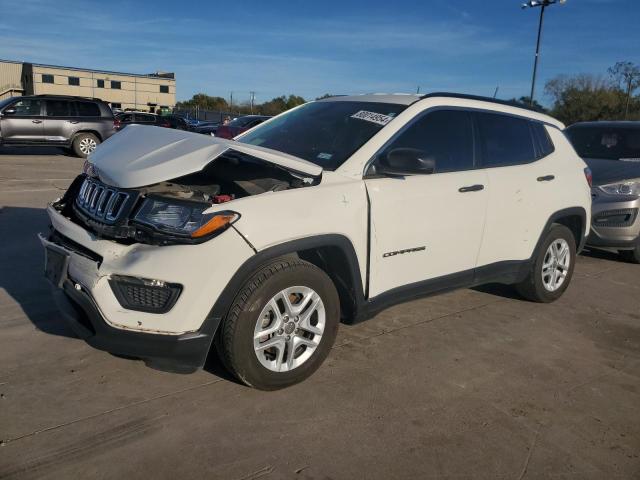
(36, 121)
(72, 121)
(472, 188)
(546, 178)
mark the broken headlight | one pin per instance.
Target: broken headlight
(627, 187)
(183, 219)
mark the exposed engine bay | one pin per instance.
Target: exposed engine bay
(230, 176)
(173, 211)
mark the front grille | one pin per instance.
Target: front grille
(144, 295)
(616, 218)
(103, 203)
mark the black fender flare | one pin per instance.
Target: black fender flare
(565, 212)
(263, 257)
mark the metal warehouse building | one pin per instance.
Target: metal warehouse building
(149, 92)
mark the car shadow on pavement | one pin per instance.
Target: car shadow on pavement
(499, 290)
(602, 255)
(21, 270)
(4, 150)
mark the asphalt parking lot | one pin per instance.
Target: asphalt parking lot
(471, 384)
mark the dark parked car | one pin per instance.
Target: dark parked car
(240, 125)
(140, 118)
(612, 151)
(206, 128)
(80, 124)
(175, 121)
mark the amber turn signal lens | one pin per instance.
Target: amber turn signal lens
(216, 223)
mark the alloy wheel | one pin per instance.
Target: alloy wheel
(289, 329)
(87, 145)
(555, 266)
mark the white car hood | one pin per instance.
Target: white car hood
(141, 155)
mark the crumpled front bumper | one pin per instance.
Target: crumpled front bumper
(177, 353)
(178, 340)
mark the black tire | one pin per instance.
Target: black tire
(532, 287)
(631, 256)
(234, 342)
(78, 144)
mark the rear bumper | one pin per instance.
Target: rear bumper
(177, 353)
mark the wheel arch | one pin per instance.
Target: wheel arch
(574, 218)
(333, 253)
(86, 130)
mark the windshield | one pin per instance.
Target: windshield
(612, 143)
(324, 133)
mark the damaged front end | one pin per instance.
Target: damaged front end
(180, 209)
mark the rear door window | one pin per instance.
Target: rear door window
(58, 108)
(505, 140)
(444, 135)
(87, 109)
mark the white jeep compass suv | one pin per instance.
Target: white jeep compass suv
(172, 243)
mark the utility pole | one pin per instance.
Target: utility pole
(495, 94)
(626, 108)
(231, 101)
(543, 4)
(252, 97)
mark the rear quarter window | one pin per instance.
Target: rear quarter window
(543, 142)
(505, 140)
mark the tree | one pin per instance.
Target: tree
(204, 102)
(627, 76)
(587, 97)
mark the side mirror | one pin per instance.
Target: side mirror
(406, 161)
(9, 111)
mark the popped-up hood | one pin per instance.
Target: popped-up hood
(141, 155)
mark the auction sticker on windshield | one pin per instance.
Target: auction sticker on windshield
(378, 118)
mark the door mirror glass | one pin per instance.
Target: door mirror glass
(9, 111)
(406, 161)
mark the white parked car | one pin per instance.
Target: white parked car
(172, 243)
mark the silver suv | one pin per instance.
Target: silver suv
(612, 151)
(79, 124)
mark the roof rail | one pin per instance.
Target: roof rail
(483, 99)
(70, 97)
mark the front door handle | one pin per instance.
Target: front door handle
(546, 178)
(72, 121)
(472, 188)
(36, 121)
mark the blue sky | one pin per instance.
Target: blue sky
(314, 47)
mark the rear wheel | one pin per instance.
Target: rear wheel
(84, 144)
(281, 326)
(552, 268)
(631, 256)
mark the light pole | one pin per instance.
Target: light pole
(542, 4)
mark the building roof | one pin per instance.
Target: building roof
(165, 75)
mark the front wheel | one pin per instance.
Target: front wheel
(281, 326)
(552, 267)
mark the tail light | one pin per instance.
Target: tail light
(589, 176)
(116, 124)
